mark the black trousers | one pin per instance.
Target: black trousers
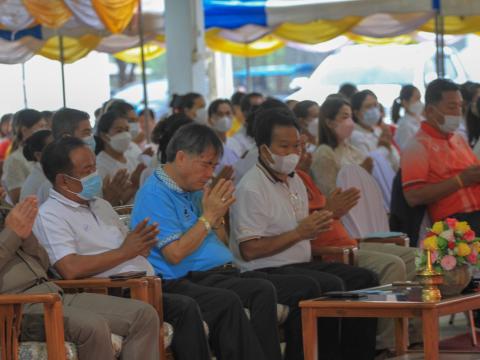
(221, 297)
(339, 339)
(189, 339)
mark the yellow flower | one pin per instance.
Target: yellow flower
(476, 246)
(437, 228)
(462, 227)
(463, 249)
(430, 243)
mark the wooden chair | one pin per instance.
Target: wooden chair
(145, 289)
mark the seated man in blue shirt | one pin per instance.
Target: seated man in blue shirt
(192, 259)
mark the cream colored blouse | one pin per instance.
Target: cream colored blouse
(327, 162)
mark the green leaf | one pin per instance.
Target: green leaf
(442, 243)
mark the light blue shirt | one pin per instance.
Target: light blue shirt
(176, 211)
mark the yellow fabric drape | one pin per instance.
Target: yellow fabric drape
(399, 40)
(51, 13)
(115, 14)
(264, 46)
(456, 25)
(134, 55)
(316, 31)
(73, 48)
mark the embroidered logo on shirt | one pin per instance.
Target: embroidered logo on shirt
(186, 214)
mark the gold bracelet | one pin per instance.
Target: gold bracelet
(205, 223)
(459, 181)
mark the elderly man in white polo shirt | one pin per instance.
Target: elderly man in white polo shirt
(271, 229)
(84, 237)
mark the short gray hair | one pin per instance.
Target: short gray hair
(65, 121)
(193, 139)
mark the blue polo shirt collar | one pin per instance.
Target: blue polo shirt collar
(167, 180)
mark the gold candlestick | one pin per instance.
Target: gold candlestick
(430, 279)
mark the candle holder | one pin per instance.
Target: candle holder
(430, 279)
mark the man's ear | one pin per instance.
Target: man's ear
(60, 180)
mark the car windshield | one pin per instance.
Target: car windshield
(363, 74)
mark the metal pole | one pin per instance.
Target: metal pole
(439, 39)
(146, 113)
(249, 78)
(62, 68)
(24, 87)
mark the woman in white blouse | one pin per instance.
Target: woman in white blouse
(367, 136)
(335, 150)
(16, 168)
(409, 123)
(113, 140)
(32, 150)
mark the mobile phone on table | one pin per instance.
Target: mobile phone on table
(128, 275)
(343, 295)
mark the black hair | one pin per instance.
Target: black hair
(121, 107)
(435, 90)
(5, 119)
(267, 120)
(406, 94)
(24, 118)
(150, 111)
(65, 121)
(56, 157)
(472, 120)
(301, 108)
(328, 112)
(237, 97)
(347, 90)
(187, 101)
(213, 107)
(269, 103)
(246, 105)
(193, 139)
(104, 125)
(164, 130)
(357, 101)
(47, 114)
(35, 143)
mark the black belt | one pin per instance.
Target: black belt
(227, 266)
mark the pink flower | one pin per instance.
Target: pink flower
(472, 258)
(448, 262)
(451, 223)
(434, 256)
(469, 235)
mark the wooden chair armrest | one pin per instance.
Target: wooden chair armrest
(11, 315)
(397, 240)
(344, 254)
(29, 298)
(138, 287)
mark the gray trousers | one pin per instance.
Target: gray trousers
(391, 263)
(90, 319)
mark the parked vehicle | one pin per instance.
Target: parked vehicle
(382, 69)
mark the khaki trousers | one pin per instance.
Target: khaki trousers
(90, 319)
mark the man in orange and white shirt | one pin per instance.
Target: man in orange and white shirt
(439, 169)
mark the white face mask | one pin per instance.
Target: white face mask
(223, 124)
(450, 123)
(284, 164)
(134, 129)
(313, 127)
(201, 116)
(120, 142)
(416, 108)
(371, 116)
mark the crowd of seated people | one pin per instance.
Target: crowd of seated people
(232, 203)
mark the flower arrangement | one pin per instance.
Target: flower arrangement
(452, 243)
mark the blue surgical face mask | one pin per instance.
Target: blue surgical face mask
(90, 141)
(91, 186)
(371, 116)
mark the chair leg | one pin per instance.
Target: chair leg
(471, 322)
(452, 319)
